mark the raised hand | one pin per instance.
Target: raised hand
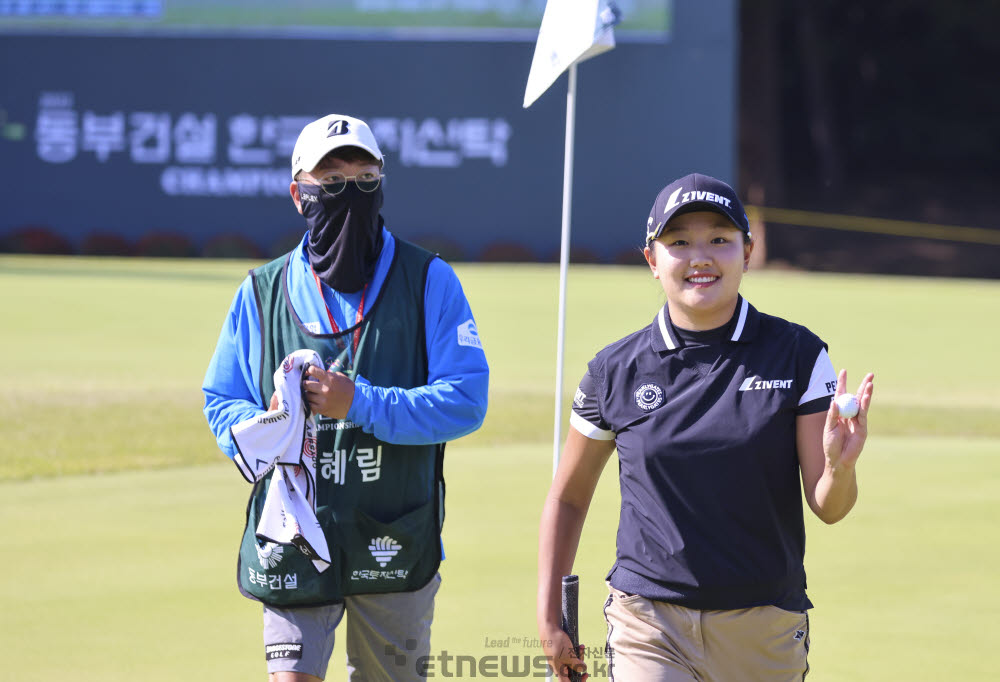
(843, 438)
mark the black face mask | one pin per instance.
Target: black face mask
(345, 234)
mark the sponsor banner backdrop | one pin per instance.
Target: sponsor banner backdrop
(133, 135)
(440, 19)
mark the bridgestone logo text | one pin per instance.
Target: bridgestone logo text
(275, 651)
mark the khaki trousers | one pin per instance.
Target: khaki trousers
(652, 641)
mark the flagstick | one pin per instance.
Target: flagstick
(564, 259)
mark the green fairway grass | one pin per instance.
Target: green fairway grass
(102, 359)
(122, 519)
(132, 575)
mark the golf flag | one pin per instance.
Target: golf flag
(571, 32)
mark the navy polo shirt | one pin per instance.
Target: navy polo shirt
(711, 511)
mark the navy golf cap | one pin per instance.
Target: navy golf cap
(695, 192)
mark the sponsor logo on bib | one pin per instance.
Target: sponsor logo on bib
(383, 549)
(269, 555)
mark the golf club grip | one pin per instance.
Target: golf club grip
(570, 604)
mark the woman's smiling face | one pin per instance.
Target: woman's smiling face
(699, 258)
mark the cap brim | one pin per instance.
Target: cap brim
(693, 206)
(310, 162)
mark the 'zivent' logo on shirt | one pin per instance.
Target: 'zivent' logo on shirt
(755, 383)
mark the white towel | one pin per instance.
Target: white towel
(285, 438)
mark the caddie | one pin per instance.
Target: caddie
(404, 372)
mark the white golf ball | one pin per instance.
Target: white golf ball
(848, 405)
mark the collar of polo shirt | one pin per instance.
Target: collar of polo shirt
(741, 328)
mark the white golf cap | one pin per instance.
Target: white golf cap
(322, 136)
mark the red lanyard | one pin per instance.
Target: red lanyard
(357, 320)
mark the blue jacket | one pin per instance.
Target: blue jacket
(451, 405)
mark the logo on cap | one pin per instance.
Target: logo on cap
(672, 201)
(652, 232)
(338, 127)
(702, 197)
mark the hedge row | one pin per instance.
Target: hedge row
(41, 240)
(165, 244)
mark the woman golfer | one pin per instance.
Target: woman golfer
(716, 411)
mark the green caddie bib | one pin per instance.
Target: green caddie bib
(381, 505)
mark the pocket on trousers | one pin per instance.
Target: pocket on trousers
(621, 596)
(784, 615)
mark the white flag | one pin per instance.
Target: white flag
(571, 31)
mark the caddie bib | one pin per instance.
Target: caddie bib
(381, 505)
